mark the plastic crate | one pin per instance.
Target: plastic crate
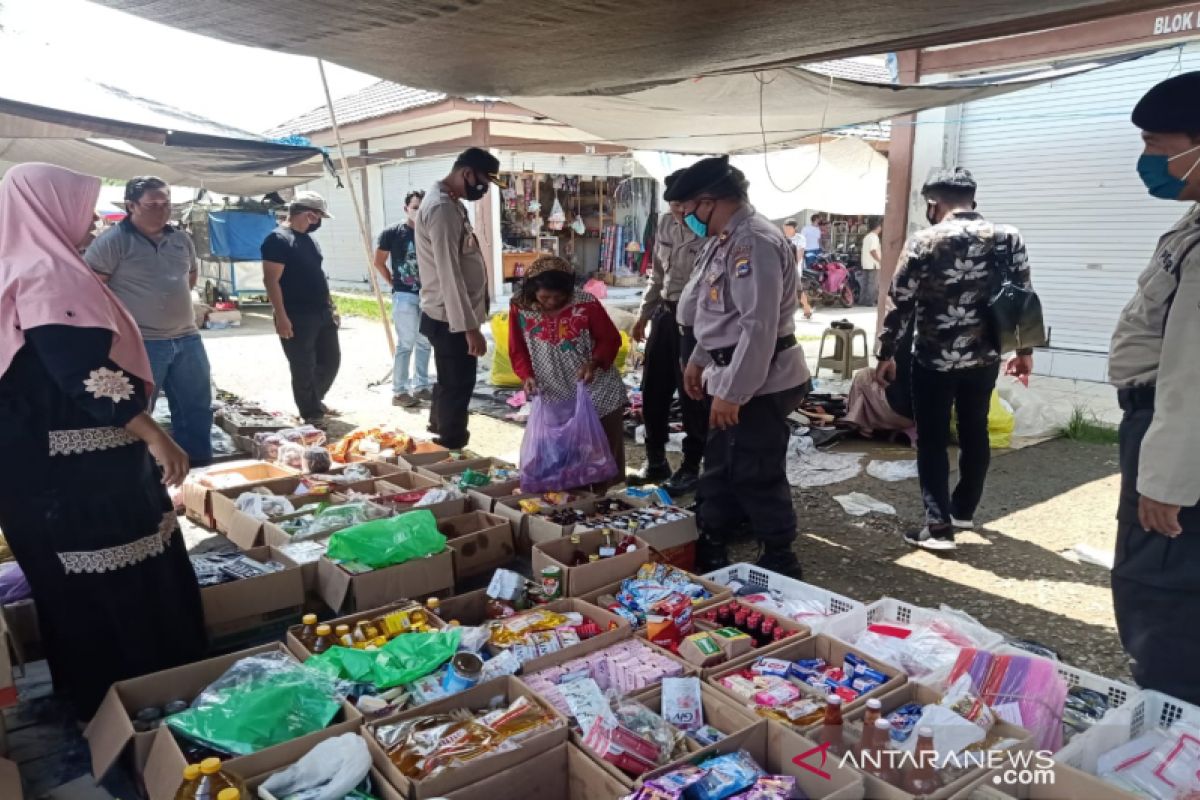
(1143, 711)
(1118, 693)
(836, 606)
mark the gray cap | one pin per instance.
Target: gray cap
(312, 201)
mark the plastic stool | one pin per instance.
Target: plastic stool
(843, 361)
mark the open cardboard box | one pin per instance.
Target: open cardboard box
(378, 469)
(448, 471)
(484, 498)
(824, 647)
(1061, 782)
(197, 496)
(510, 509)
(720, 594)
(923, 695)
(582, 579)
(380, 788)
(478, 697)
(424, 452)
(248, 603)
(564, 773)
(422, 577)
(111, 735)
(269, 422)
(10, 780)
(480, 542)
(404, 482)
(246, 531)
(612, 630)
(798, 631)
(469, 608)
(774, 747)
(300, 651)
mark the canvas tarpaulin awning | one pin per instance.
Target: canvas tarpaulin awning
(841, 176)
(747, 111)
(543, 47)
(100, 130)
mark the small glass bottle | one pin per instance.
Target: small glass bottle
(921, 777)
(308, 633)
(578, 557)
(832, 732)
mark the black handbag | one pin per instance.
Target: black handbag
(1016, 312)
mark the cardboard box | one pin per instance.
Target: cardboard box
(612, 630)
(448, 471)
(197, 496)
(564, 773)
(425, 452)
(269, 422)
(10, 780)
(468, 609)
(246, 531)
(477, 697)
(404, 482)
(24, 633)
(480, 542)
(484, 498)
(380, 788)
(824, 647)
(1063, 781)
(720, 594)
(378, 469)
(719, 711)
(292, 637)
(923, 695)
(248, 603)
(111, 736)
(774, 747)
(798, 630)
(414, 580)
(509, 508)
(580, 580)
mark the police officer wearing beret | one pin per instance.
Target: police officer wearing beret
(1154, 365)
(748, 360)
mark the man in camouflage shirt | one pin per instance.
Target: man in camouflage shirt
(943, 286)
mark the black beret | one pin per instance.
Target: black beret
(956, 179)
(1172, 106)
(699, 177)
(669, 181)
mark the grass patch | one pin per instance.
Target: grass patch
(357, 305)
(1084, 427)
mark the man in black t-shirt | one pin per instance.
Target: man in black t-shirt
(398, 246)
(304, 315)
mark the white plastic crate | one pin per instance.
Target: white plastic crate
(836, 606)
(1144, 711)
(887, 610)
(1118, 693)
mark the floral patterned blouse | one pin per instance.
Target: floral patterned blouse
(552, 347)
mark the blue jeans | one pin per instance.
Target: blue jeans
(181, 371)
(406, 315)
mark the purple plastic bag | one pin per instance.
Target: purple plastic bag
(13, 586)
(564, 446)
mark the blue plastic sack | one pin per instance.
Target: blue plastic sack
(565, 446)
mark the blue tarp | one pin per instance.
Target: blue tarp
(239, 234)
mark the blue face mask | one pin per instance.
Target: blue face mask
(1155, 172)
(697, 227)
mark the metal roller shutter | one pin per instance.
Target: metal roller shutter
(400, 179)
(1058, 162)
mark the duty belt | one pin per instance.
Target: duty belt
(724, 355)
(1136, 398)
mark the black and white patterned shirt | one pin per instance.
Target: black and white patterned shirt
(943, 285)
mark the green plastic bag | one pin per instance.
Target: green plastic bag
(384, 542)
(470, 479)
(259, 702)
(402, 660)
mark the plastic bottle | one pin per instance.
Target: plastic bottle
(433, 605)
(609, 549)
(578, 557)
(229, 794)
(187, 789)
(308, 634)
(213, 780)
(324, 639)
(921, 777)
(343, 637)
(831, 729)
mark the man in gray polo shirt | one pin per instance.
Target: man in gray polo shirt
(150, 266)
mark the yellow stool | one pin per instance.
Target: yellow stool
(844, 361)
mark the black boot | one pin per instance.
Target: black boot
(779, 557)
(711, 554)
(656, 470)
(684, 481)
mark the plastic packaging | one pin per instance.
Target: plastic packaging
(725, 776)
(13, 585)
(264, 506)
(564, 445)
(682, 705)
(404, 659)
(382, 543)
(330, 771)
(317, 459)
(259, 702)
(334, 518)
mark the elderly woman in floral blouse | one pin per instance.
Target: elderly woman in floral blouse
(558, 336)
(83, 503)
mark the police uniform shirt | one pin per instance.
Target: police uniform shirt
(1152, 346)
(745, 296)
(675, 251)
(454, 286)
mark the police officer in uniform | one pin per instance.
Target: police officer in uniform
(675, 249)
(747, 359)
(1154, 365)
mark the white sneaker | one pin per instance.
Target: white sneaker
(928, 540)
(962, 524)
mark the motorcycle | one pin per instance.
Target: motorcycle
(828, 281)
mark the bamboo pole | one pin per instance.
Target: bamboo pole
(358, 215)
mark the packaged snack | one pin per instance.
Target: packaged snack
(725, 776)
(681, 703)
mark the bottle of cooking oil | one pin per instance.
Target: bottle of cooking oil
(213, 780)
(324, 639)
(187, 789)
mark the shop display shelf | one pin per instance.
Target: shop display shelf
(1145, 710)
(836, 606)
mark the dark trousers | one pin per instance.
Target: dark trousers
(455, 383)
(662, 379)
(745, 472)
(1156, 581)
(969, 392)
(314, 355)
(869, 279)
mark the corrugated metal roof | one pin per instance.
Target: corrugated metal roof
(377, 100)
(872, 69)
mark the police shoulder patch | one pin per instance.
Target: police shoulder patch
(741, 261)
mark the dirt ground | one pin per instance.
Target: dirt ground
(1041, 502)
